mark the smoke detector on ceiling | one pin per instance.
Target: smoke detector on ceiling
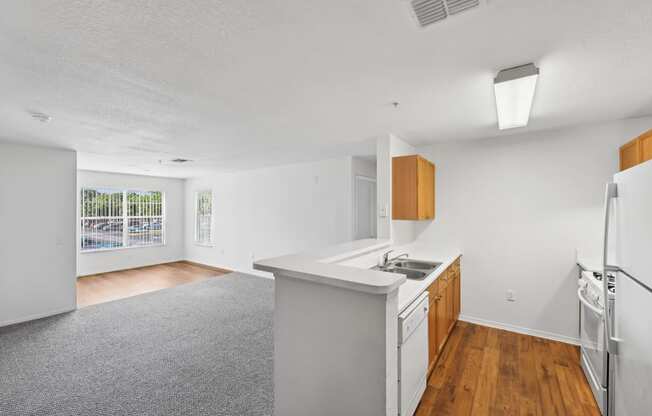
(428, 12)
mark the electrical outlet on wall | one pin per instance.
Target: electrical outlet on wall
(510, 296)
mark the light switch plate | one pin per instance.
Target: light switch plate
(382, 211)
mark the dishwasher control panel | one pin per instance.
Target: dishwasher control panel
(410, 319)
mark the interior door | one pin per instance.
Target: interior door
(365, 207)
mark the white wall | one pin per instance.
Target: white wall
(173, 250)
(363, 167)
(519, 207)
(334, 350)
(37, 219)
(272, 211)
(384, 187)
(401, 232)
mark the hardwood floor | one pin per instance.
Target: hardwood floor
(486, 371)
(106, 287)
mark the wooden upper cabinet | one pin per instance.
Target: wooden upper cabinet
(630, 154)
(636, 151)
(413, 188)
(646, 146)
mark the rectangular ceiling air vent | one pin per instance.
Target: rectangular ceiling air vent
(428, 12)
(456, 6)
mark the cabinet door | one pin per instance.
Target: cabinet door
(442, 314)
(404, 188)
(450, 303)
(433, 346)
(413, 188)
(646, 146)
(630, 154)
(456, 297)
(425, 189)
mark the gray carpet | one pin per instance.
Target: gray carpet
(203, 348)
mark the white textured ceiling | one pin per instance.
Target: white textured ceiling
(238, 84)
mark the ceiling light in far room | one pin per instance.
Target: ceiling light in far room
(42, 117)
(514, 88)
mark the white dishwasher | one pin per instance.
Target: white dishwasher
(412, 354)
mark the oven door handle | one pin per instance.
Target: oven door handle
(586, 303)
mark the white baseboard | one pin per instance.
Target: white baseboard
(521, 330)
(37, 316)
(258, 273)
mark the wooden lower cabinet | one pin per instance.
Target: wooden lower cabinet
(457, 296)
(445, 305)
(442, 319)
(432, 333)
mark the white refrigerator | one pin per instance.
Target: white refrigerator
(628, 254)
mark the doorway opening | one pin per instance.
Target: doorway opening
(364, 198)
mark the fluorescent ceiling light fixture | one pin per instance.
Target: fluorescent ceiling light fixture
(514, 88)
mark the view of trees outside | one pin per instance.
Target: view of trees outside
(204, 217)
(103, 218)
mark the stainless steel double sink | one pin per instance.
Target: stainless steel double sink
(412, 269)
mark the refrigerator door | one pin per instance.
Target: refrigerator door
(632, 237)
(630, 248)
(632, 370)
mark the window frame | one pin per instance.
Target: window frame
(210, 243)
(125, 220)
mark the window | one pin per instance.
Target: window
(113, 219)
(101, 219)
(145, 218)
(204, 218)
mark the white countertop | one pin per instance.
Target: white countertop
(327, 266)
(348, 266)
(411, 289)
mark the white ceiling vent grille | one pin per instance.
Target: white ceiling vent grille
(456, 6)
(428, 12)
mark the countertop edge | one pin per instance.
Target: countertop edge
(319, 267)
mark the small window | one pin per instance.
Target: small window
(112, 219)
(204, 218)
